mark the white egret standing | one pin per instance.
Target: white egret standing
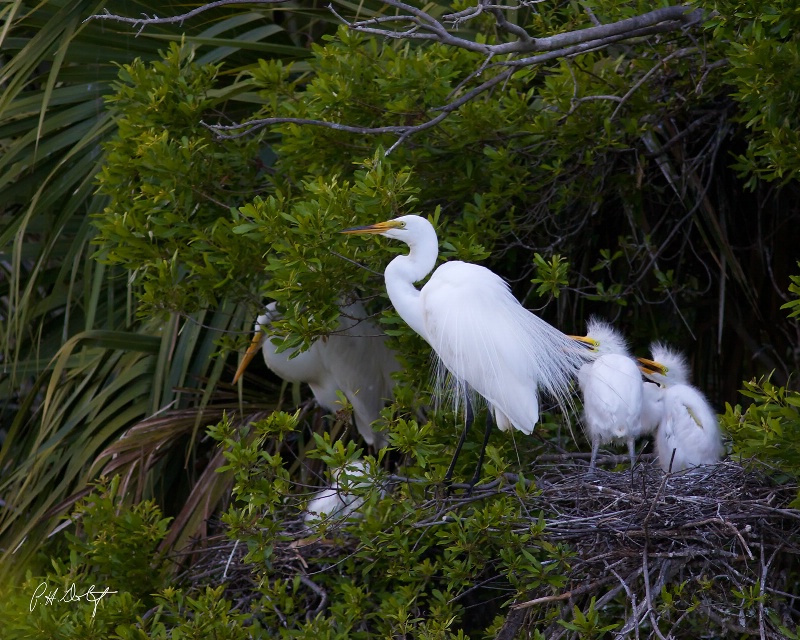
(354, 360)
(486, 340)
(612, 390)
(688, 434)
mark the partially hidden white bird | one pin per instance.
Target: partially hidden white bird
(688, 431)
(354, 360)
(339, 501)
(612, 390)
(487, 341)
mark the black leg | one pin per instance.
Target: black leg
(593, 461)
(487, 431)
(467, 424)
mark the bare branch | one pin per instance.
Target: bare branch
(680, 53)
(404, 131)
(147, 20)
(427, 28)
(416, 24)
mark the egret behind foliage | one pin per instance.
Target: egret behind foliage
(612, 390)
(338, 501)
(484, 338)
(355, 360)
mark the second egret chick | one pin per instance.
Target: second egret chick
(688, 432)
(612, 390)
(338, 501)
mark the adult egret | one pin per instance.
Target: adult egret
(354, 360)
(612, 390)
(688, 433)
(338, 501)
(487, 341)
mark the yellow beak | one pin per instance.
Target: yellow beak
(651, 366)
(586, 340)
(378, 227)
(252, 350)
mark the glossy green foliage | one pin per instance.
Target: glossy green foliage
(793, 305)
(768, 428)
(111, 582)
(761, 42)
(105, 577)
(171, 186)
(394, 568)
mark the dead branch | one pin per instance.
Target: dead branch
(146, 20)
(416, 24)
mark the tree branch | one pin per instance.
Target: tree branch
(416, 24)
(147, 20)
(424, 27)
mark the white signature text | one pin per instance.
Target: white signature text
(71, 594)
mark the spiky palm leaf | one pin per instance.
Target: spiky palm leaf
(79, 368)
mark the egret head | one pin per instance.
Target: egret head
(609, 340)
(602, 338)
(405, 228)
(668, 367)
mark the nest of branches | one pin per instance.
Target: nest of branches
(717, 543)
(725, 532)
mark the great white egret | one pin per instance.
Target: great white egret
(688, 433)
(612, 390)
(354, 360)
(487, 341)
(339, 501)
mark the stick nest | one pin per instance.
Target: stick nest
(718, 544)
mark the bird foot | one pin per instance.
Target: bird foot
(460, 490)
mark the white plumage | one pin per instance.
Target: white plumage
(688, 426)
(483, 336)
(339, 501)
(612, 391)
(354, 360)
(652, 406)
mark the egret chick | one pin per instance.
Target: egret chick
(338, 501)
(612, 391)
(354, 360)
(688, 433)
(652, 406)
(487, 341)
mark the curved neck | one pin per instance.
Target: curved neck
(401, 274)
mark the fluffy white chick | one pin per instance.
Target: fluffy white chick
(612, 391)
(338, 501)
(688, 432)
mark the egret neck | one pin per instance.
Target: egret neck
(402, 272)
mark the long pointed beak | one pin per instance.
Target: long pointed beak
(651, 366)
(252, 350)
(378, 227)
(589, 342)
